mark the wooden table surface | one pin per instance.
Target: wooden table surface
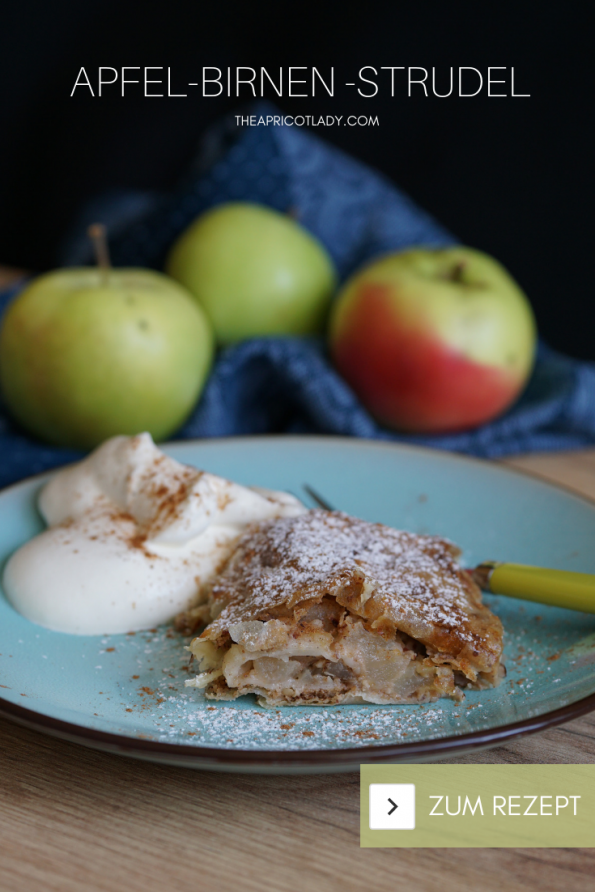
(75, 819)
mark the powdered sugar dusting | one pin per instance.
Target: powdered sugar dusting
(280, 561)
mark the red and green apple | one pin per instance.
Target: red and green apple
(433, 341)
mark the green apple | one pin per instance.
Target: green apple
(255, 272)
(433, 341)
(86, 354)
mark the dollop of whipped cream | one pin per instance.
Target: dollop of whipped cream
(133, 538)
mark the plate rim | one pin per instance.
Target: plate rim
(496, 464)
(219, 758)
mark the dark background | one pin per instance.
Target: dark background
(510, 176)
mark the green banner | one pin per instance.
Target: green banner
(462, 806)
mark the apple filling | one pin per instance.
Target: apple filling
(327, 655)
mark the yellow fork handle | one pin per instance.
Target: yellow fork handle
(559, 588)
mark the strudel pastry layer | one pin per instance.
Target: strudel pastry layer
(324, 608)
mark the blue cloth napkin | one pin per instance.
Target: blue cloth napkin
(288, 384)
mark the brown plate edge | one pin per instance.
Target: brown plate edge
(209, 758)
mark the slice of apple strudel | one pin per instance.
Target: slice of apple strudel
(324, 608)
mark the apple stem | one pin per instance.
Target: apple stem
(97, 234)
(457, 273)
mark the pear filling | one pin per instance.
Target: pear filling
(326, 656)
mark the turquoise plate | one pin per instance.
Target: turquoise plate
(126, 694)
